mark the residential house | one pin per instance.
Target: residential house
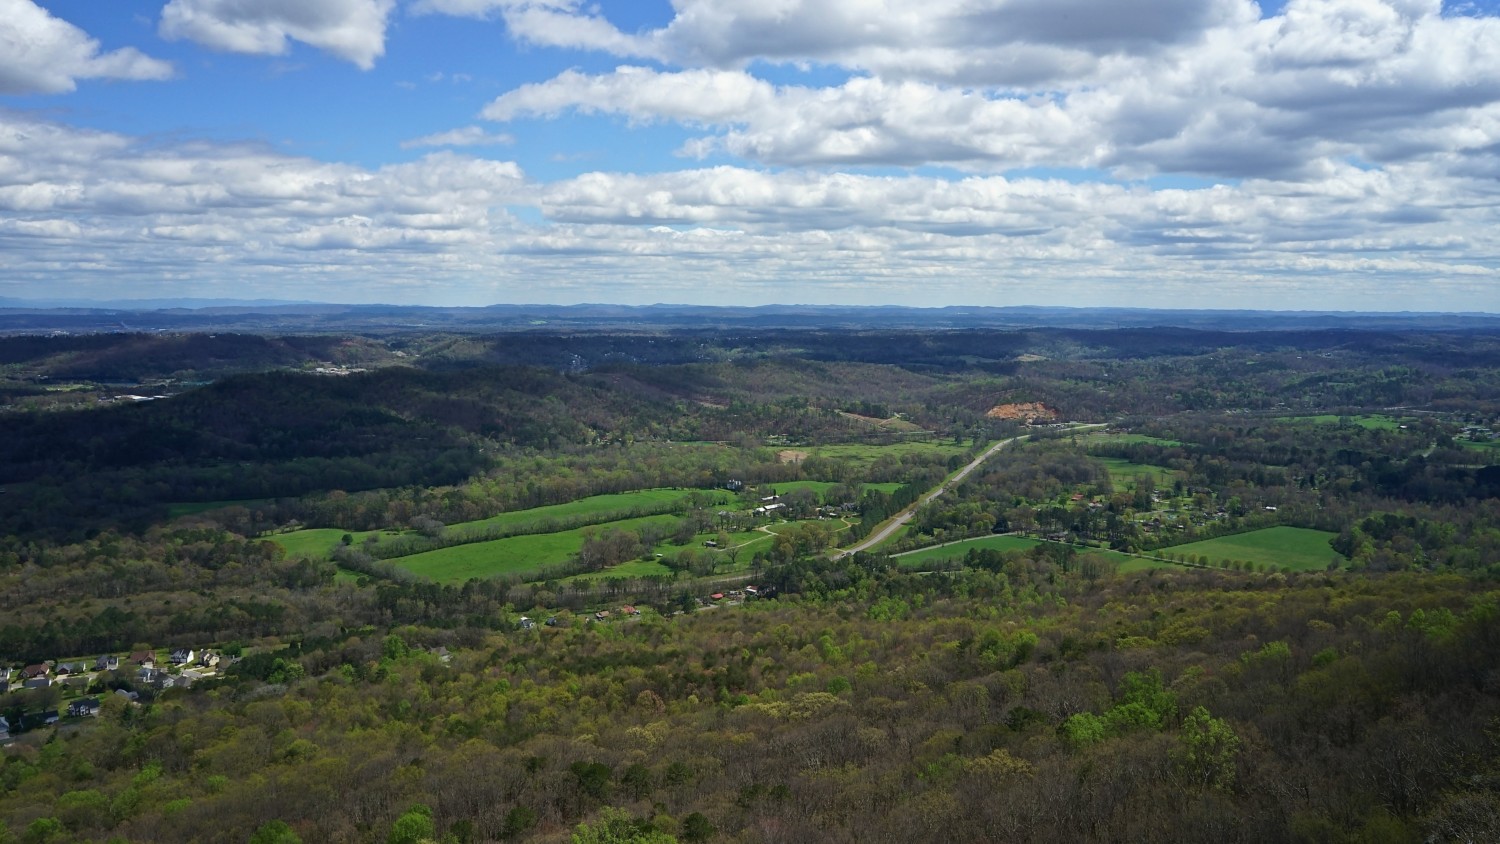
(525, 623)
(108, 662)
(630, 610)
(41, 669)
(182, 656)
(145, 659)
(84, 707)
(602, 615)
(128, 695)
(149, 675)
(4, 729)
(41, 682)
(209, 658)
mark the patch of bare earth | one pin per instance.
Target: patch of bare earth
(791, 456)
(1028, 412)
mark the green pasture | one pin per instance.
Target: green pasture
(1373, 422)
(513, 555)
(862, 453)
(594, 505)
(1300, 549)
(1122, 472)
(957, 550)
(819, 487)
(1105, 437)
(318, 542)
(1491, 445)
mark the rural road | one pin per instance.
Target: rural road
(905, 515)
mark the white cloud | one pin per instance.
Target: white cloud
(353, 30)
(78, 204)
(42, 54)
(468, 136)
(1219, 92)
(550, 23)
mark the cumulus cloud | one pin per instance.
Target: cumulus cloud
(42, 54)
(353, 30)
(1214, 90)
(76, 203)
(550, 23)
(468, 136)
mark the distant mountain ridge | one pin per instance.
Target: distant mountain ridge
(279, 316)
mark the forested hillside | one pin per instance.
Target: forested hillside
(1127, 585)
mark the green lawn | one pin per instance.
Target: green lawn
(1300, 549)
(1492, 445)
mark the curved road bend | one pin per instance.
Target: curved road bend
(905, 515)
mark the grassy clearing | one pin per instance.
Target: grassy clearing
(318, 542)
(175, 511)
(1300, 549)
(514, 555)
(594, 505)
(1492, 445)
(859, 453)
(1122, 472)
(1373, 422)
(819, 487)
(957, 550)
(1103, 438)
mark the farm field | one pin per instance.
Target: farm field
(1375, 422)
(820, 487)
(1300, 549)
(317, 542)
(1122, 471)
(957, 550)
(1492, 445)
(513, 555)
(862, 454)
(594, 505)
(1105, 437)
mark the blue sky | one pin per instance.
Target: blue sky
(1338, 154)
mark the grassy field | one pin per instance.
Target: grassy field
(1122, 472)
(957, 550)
(864, 454)
(515, 555)
(820, 487)
(1376, 422)
(1492, 445)
(1104, 437)
(317, 542)
(594, 505)
(1300, 549)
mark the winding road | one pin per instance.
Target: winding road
(905, 515)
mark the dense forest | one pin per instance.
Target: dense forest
(1232, 586)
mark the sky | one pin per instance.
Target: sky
(1305, 155)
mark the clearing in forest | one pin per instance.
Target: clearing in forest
(957, 550)
(1299, 549)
